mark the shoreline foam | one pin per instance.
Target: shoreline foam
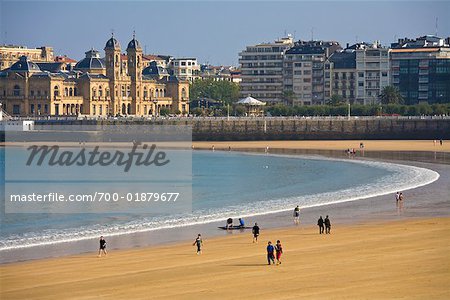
(263, 209)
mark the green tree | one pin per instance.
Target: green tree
(164, 111)
(288, 97)
(223, 90)
(391, 95)
(336, 100)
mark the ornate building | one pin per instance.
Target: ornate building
(95, 87)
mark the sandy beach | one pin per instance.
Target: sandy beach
(378, 256)
(402, 259)
(369, 145)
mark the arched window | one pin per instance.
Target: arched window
(66, 92)
(157, 93)
(16, 90)
(56, 91)
(124, 109)
(145, 93)
(164, 92)
(100, 92)
(70, 92)
(94, 92)
(75, 92)
(183, 94)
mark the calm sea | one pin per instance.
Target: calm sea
(227, 184)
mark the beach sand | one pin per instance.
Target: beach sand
(369, 145)
(379, 260)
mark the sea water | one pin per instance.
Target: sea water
(227, 184)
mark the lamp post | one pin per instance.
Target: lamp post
(156, 109)
(348, 110)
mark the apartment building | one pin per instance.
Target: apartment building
(343, 74)
(420, 69)
(373, 71)
(185, 68)
(262, 70)
(10, 54)
(306, 72)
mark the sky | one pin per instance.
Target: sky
(214, 32)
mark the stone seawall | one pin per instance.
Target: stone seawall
(296, 129)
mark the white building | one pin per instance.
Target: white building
(373, 72)
(185, 68)
(262, 70)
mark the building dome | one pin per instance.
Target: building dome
(24, 65)
(112, 43)
(92, 61)
(134, 44)
(153, 70)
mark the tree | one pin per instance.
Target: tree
(164, 111)
(222, 90)
(336, 100)
(391, 95)
(288, 97)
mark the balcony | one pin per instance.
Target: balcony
(423, 88)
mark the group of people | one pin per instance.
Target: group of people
(229, 224)
(274, 252)
(324, 225)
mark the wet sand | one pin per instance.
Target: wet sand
(369, 145)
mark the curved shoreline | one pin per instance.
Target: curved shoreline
(199, 226)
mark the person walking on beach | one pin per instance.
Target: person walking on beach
(255, 231)
(297, 215)
(198, 241)
(102, 247)
(320, 224)
(278, 251)
(241, 223)
(270, 255)
(397, 197)
(327, 225)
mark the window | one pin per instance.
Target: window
(46, 108)
(31, 108)
(16, 90)
(183, 93)
(360, 74)
(94, 92)
(56, 91)
(16, 109)
(100, 92)
(360, 83)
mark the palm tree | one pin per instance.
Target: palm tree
(336, 100)
(391, 95)
(288, 97)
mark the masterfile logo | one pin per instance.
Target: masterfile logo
(99, 169)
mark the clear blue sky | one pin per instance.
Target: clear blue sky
(212, 31)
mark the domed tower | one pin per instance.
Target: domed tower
(112, 58)
(113, 65)
(135, 66)
(134, 54)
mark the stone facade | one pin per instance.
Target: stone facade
(95, 87)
